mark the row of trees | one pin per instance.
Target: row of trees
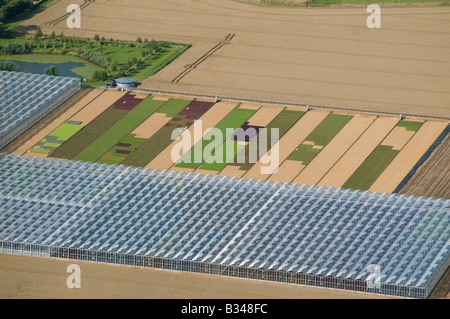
(87, 49)
(153, 45)
(11, 8)
(16, 48)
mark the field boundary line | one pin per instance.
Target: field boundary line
(287, 104)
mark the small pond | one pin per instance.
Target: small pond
(66, 65)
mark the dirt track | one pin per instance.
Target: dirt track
(312, 56)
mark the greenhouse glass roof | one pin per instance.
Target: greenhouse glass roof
(22, 95)
(230, 222)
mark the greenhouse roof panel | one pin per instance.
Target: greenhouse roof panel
(220, 220)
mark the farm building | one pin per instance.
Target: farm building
(26, 98)
(307, 235)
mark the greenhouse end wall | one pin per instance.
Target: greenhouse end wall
(302, 279)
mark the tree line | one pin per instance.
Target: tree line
(91, 50)
(11, 8)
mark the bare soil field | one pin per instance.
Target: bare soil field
(231, 171)
(287, 171)
(432, 179)
(311, 56)
(264, 115)
(442, 289)
(32, 277)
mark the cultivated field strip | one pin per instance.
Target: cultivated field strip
(60, 134)
(98, 106)
(382, 155)
(197, 156)
(408, 157)
(208, 120)
(289, 141)
(119, 130)
(100, 115)
(314, 143)
(335, 149)
(180, 121)
(357, 153)
(316, 147)
(70, 112)
(280, 124)
(267, 118)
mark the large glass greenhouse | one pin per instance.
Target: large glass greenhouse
(26, 98)
(296, 234)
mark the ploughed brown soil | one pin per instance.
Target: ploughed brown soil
(432, 179)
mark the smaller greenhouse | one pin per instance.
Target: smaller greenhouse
(27, 98)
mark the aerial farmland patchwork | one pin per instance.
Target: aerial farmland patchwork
(310, 159)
